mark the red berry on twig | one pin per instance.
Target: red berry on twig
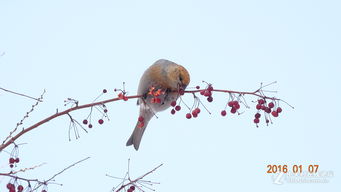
(173, 103)
(20, 188)
(261, 101)
(188, 116)
(85, 121)
(271, 105)
(223, 113)
(100, 121)
(172, 111)
(178, 108)
(11, 160)
(279, 110)
(274, 113)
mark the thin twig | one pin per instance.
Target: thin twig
(25, 117)
(20, 94)
(12, 139)
(137, 179)
(27, 169)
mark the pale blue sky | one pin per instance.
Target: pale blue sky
(77, 48)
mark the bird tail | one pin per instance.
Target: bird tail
(136, 136)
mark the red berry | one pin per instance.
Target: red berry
(11, 160)
(223, 113)
(233, 110)
(181, 92)
(140, 124)
(178, 108)
(197, 110)
(267, 110)
(202, 92)
(129, 190)
(197, 87)
(125, 98)
(257, 115)
(90, 126)
(279, 110)
(271, 105)
(256, 120)
(237, 106)
(85, 121)
(157, 100)
(105, 110)
(173, 103)
(207, 93)
(20, 188)
(263, 107)
(120, 95)
(43, 190)
(230, 103)
(104, 91)
(258, 106)
(100, 121)
(132, 187)
(274, 113)
(210, 88)
(172, 111)
(9, 185)
(188, 116)
(194, 113)
(17, 160)
(261, 101)
(141, 119)
(209, 99)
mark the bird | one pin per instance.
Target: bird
(159, 86)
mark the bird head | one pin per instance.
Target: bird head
(178, 77)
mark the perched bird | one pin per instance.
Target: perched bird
(159, 86)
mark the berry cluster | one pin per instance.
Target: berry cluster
(102, 109)
(155, 93)
(131, 188)
(267, 108)
(195, 112)
(140, 121)
(234, 105)
(207, 92)
(11, 187)
(12, 161)
(122, 96)
(175, 107)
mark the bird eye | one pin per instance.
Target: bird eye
(180, 78)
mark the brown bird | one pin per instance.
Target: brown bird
(159, 86)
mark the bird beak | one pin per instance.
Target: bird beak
(182, 86)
